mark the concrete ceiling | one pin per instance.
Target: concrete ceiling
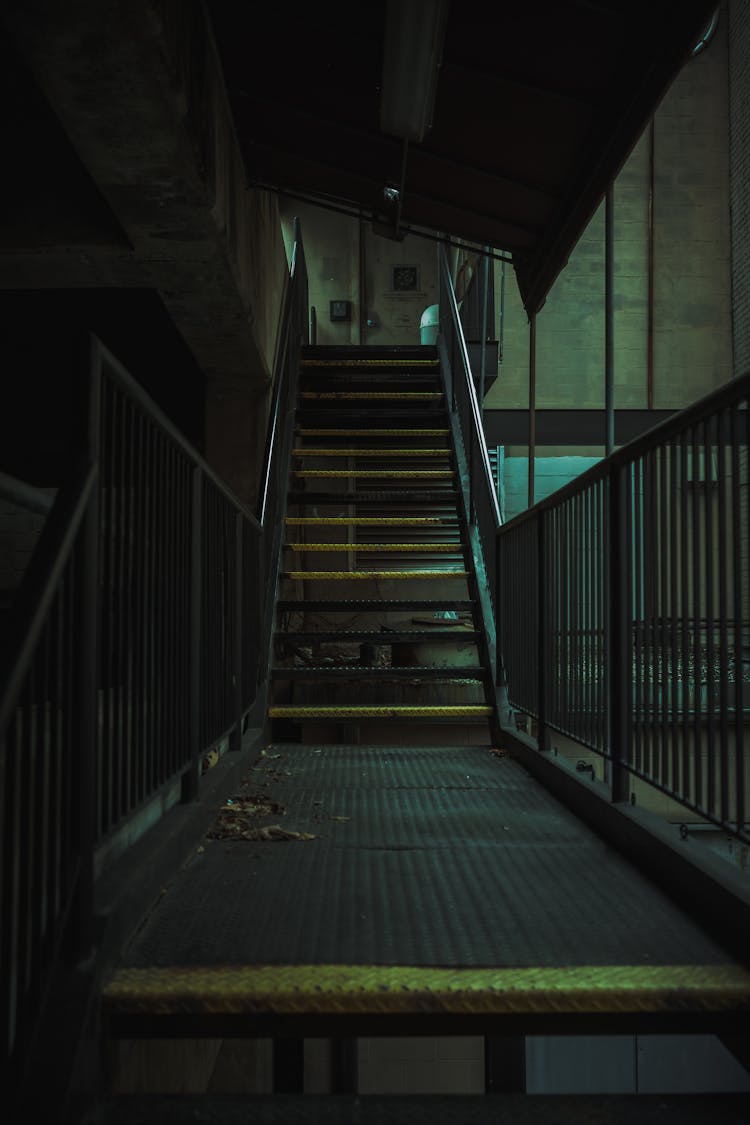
(538, 105)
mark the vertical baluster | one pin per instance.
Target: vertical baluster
(699, 533)
(684, 678)
(708, 446)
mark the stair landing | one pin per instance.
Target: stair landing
(443, 890)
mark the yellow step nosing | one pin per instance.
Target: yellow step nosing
(397, 990)
(361, 575)
(428, 548)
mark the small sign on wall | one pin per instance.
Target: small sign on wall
(406, 279)
(341, 310)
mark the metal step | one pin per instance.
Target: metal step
(397, 672)
(399, 711)
(379, 636)
(371, 548)
(371, 396)
(348, 415)
(374, 432)
(371, 605)
(428, 522)
(361, 453)
(403, 497)
(375, 474)
(375, 575)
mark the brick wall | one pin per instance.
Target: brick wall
(739, 153)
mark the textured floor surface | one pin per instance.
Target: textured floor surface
(492, 1110)
(422, 857)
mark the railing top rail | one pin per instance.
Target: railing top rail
(729, 394)
(296, 267)
(135, 391)
(471, 390)
(40, 583)
(25, 495)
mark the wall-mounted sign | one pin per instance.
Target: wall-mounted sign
(341, 310)
(406, 279)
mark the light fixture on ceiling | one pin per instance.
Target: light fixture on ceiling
(414, 34)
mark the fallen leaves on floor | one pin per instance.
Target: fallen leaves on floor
(237, 820)
(265, 832)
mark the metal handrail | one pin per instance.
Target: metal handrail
(133, 389)
(469, 388)
(297, 277)
(622, 615)
(663, 432)
(40, 583)
(25, 495)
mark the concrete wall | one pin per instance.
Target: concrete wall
(692, 314)
(739, 156)
(338, 250)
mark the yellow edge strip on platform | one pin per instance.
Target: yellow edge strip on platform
(405, 990)
(368, 548)
(390, 473)
(345, 575)
(371, 453)
(370, 362)
(410, 395)
(366, 521)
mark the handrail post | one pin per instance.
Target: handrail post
(189, 790)
(239, 621)
(618, 660)
(82, 935)
(541, 596)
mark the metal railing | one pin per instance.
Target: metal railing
(137, 642)
(624, 610)
(481, 496)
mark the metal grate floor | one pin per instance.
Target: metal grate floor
(427, 856)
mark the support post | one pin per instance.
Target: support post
(609, 323)
(82, 935)
(617, 644)
(191, 775)
(532, 407)
(235, 742)
(542, 642)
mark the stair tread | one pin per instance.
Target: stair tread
(428, 548)
(386, 497)
(372, 521)
(380, 710)
(365, 605)
(340, 671)
(380, 636)
(362, 575)
(364, 451)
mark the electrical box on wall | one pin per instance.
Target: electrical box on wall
(341, 310)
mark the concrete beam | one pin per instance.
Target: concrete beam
(119, 75)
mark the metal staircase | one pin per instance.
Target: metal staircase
(377, 609)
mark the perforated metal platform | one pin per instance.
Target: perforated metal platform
(435, 858)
